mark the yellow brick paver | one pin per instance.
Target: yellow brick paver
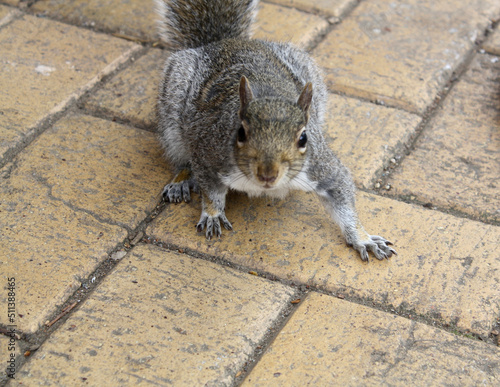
(456, 160)
(332, 342)
(132, 94)
(365, 136)
(132, 18)
(328, 7)
(47, 247)
(446, 267)
(43, 69)
(114, 172)
(161, 318)
(288, 25)
(67, 201)
(402, 52)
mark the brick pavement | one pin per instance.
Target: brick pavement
(414, 112)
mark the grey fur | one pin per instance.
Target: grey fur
(201, 117)
(191, 23)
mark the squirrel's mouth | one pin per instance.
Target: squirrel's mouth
(268, 183)
(267, 177)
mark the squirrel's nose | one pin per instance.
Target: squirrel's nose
(267, 178)
(267, 175)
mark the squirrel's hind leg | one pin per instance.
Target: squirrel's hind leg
(179, 188)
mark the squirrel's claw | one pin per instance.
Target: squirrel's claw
(377, 245)
(212, 225)
(177, 192)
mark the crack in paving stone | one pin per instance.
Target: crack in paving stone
(100, 219)
(403, 349)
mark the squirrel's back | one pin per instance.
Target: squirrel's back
(194, 23)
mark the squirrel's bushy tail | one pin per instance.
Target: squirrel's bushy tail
(194, 23)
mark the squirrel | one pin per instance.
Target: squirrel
(246, 114)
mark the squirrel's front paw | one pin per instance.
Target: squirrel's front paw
(179, 189)
(177, 192)
(377, 245)
(212, 224)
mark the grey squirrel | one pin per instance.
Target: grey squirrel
(245, 114)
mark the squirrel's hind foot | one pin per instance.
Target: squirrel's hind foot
(377, 245)
(180, 188)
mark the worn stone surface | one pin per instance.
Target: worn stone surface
(112, 171)
(132, 18)
(366, 136)
(48, 247)
(402, 53)
(161, 318)
(333, 342)
(492, 45)
(288, 25)
(67, 201)
(327, 7)
(456, 160)
(447, 267)
(132, 94)
(43, 69)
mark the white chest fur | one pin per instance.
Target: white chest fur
(238, 181)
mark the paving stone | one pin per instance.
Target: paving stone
(365, 136)
(333, 342)
(402, 53)
(456, 160)
(112, 171)
(132, 18)
(161, 318)
(288, 25)
(67, 201)
(492, 45)
(43, 69)
(48, 247)
(132, 94)
(447, 267)
(327, 7)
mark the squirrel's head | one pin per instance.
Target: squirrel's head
(271, 143)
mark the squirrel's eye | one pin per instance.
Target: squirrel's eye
(242, 136)
(302, 140)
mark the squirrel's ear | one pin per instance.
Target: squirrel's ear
(246, 94)
(305, 98)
